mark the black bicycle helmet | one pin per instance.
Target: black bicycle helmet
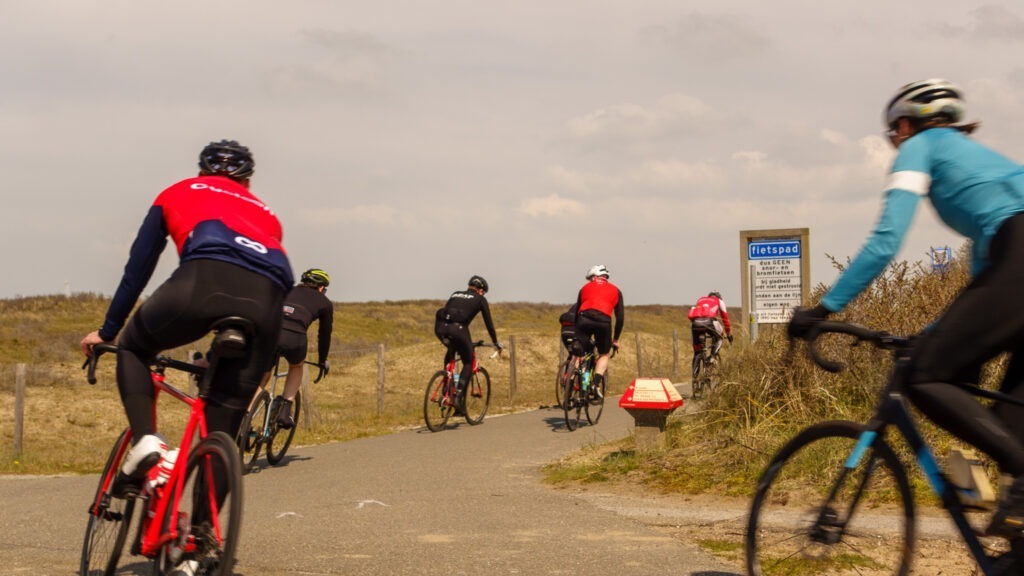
(478, 282)
(316, 277)
(715, 294)
(227, 158)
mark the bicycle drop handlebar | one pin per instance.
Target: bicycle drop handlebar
(879, 338)
(99, 349)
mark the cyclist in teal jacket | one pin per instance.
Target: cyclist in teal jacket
(980, 194)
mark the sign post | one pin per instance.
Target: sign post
(775, 274)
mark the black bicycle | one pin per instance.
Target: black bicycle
(706, 367)
(259, 426)
(861, 518)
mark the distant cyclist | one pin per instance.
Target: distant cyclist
(231, 264)
(980, 194)
(704, 320)
(597, 302)
(452, 325)
(305, 303)
(568, 333)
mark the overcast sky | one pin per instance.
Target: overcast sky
(406, 145)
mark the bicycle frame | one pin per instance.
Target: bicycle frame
(893, 411)
(164, 499)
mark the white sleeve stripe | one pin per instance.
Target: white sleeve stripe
(916, 182)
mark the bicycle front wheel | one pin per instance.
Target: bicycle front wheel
(861, 519)
(251, 433)
(209, 514)
(477, 397)
(110, 515)
(437, 406)
(280, 439)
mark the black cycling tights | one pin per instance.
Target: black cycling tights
(181, 311)
(986, 319)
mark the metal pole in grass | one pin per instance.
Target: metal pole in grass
(380, 379)
(639, 357)
(511, 368)
(19, 408)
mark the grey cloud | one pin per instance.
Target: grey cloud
(989, 23)
(711, 37)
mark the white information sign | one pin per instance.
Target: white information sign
(777, 285)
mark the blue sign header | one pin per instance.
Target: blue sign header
(773, 250)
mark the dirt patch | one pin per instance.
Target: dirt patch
(717, 525)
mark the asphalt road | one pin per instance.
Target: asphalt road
(467, 500)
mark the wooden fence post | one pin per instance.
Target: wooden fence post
(307, 401)
(511, 368)
(19, 408)
(639, 357)
(380, 379)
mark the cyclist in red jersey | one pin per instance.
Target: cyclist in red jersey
(704, 320)
(231, 264)
(597, 301)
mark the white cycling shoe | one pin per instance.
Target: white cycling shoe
(186, 568)
(144, 455)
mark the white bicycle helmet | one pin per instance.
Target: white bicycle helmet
(926, 99)
(598, 270)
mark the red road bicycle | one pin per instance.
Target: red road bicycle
(192, 512)
(444, 395)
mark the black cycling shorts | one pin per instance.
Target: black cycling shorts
(600, 330)
(293, 346)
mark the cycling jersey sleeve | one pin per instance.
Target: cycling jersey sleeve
(620, 313)
(725, 317)
(142, 259)
(325, 324)
(485, 309)
(880, 248)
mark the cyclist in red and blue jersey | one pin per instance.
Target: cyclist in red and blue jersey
(231, 264)
(980, 194)
(596, 303)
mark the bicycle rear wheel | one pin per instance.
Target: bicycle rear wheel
(437, 406)
(280, 439)
(477, 397)
(860, 520)
(700, 377)
(563, 374)
(209, 513)
(110, 516)
(575, 399)
(251, 433)
(595, 405)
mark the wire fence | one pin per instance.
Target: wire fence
(369, 386)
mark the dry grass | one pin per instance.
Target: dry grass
(69, 425)
(770, 391)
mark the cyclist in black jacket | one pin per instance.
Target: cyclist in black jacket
(303, 305)
(453, 320)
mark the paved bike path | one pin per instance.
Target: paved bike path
(466, 500)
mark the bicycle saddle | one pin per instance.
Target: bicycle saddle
(231, 336)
